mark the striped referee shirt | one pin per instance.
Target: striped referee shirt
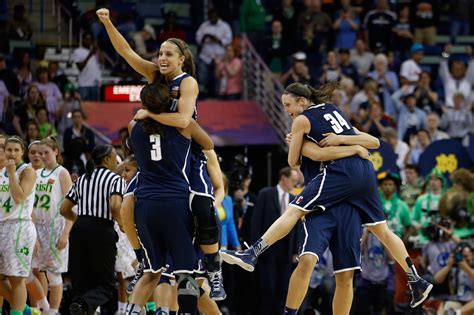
(92, 194)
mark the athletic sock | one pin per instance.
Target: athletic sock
(26, 310)
(133, 309)
(259, 247)
(139, 254)
(213, 261)
(122, 307)
(163, 310)
(43, 304)
(289, 311)
(173, 313)
(52, 311)
(412, 275)
(150, 306)
(15, 312)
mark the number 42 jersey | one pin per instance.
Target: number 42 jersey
(327, 118)
(48, 195)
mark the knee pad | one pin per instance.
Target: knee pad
(205, 219)
(54, 279)
(188, 293)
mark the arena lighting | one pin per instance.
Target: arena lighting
(122, 92)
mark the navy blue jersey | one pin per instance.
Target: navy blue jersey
(310, 169)
(327, 118)
(199, 179)
(163, 161)
(132, 185)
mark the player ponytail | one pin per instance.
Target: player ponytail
(155, 98)
(317, 96)
(98, 154)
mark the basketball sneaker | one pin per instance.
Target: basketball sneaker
(420, 289)
(217, 285)
(246, 259)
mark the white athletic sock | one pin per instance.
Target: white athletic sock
(53, 311)
(133, 309)
(43, 304)
(122, 307)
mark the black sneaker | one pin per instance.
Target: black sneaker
(217, 286)
(420, 289)
(138, 275)
(244, 258)
(76, 308)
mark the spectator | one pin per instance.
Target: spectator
(140, 39)
(387, 83)
(378, 26)
(320, 21)
(396, 210)
(399, 147)
(276, 268)
(276, 51)
(377, 121)
(456, 77)
(427, 99)
(412, 187)
(457, 121)
(428, 204)
(23, 72)
(287, 13)
(410, 69)
(26, 110)
(46, 129)
(331, 69)
(31, 132)
(374, 287)
(87, 61)
(425, 20)
(171, 28)
(346, 26)
(226, 216)
(50, 91)
(57, 75)
(460, 18)
(432, 124)
(212, 37)
(410, 117)
(229, 74)
(348, 69)
(9, 78)
(72, 102)
(418, 145)
(368, 93)
(19, 28)
(78, 142)
(299, 72)
(362, 58)
(252, 21)
(403, 38)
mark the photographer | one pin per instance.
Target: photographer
(460, 269)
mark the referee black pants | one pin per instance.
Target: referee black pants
(92, 254)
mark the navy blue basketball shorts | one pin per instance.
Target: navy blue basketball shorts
(339, 229)
(165, 227)
(351, 180)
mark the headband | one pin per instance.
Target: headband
(177, 45)
(33, 143)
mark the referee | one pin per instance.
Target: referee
(98, 196)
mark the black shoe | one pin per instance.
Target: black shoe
(244, 258)
(138, 275)
(420, 289)
(76, 308)
(217, 286)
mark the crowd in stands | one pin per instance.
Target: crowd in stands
(374, 49)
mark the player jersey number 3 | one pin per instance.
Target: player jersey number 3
(337, 121)
(155, 151)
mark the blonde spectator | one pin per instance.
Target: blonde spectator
(229, 74)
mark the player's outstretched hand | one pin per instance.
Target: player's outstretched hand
(330, 140)
(141, 114)
(103, 15)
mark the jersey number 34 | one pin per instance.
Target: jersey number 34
(337, 122)
(155, 151)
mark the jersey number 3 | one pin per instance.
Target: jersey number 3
(337, 122)
(155, 147)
